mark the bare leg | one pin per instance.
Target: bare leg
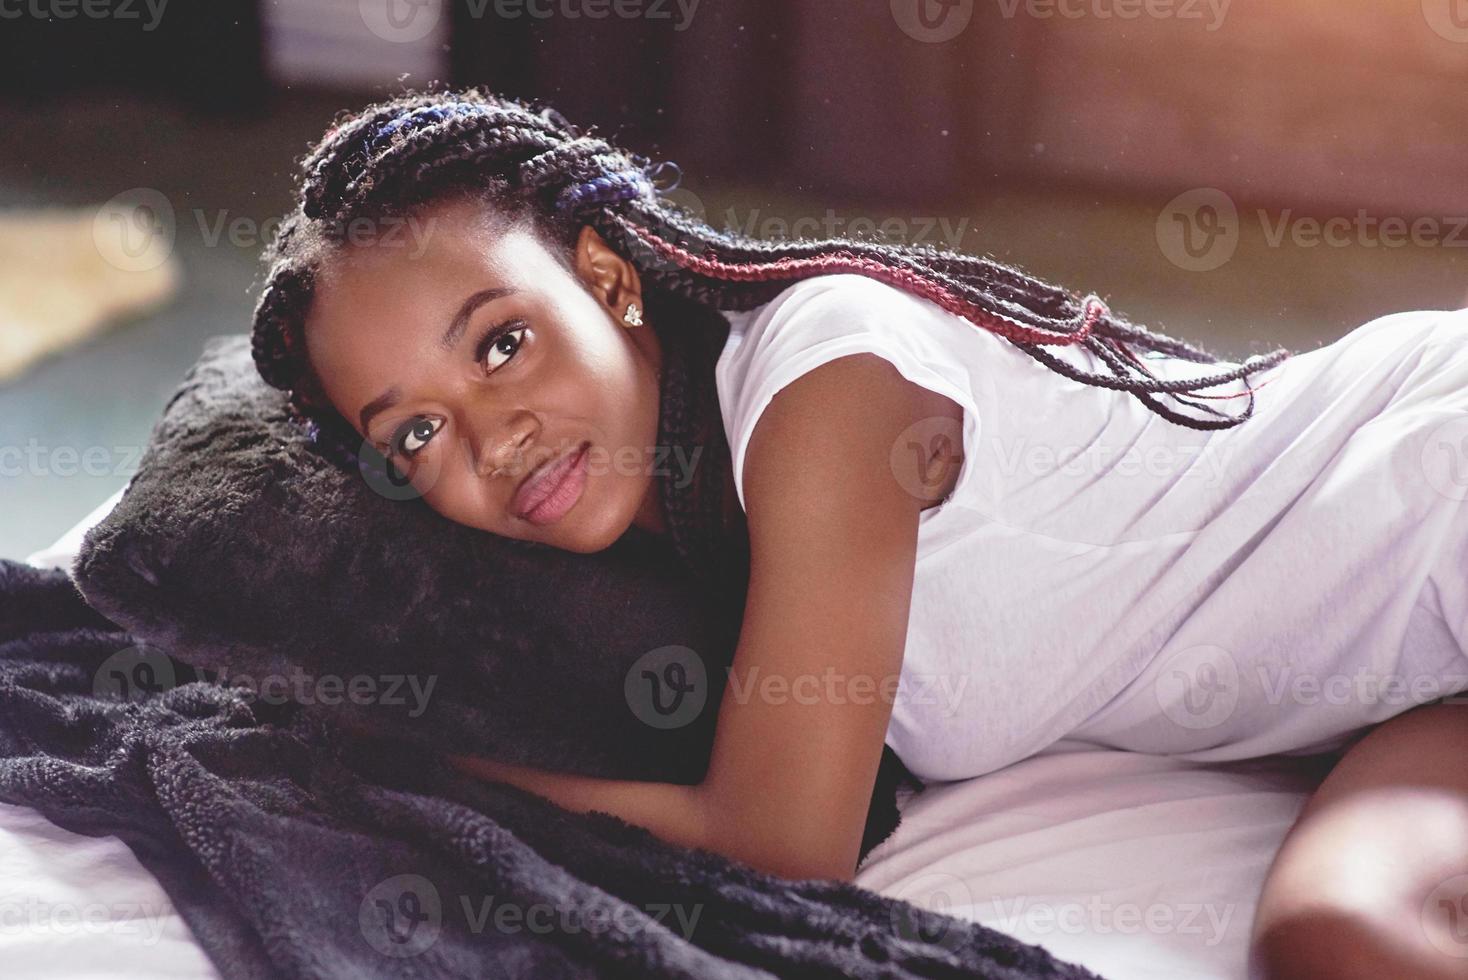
(1372, 879)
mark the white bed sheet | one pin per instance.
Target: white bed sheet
(1134, 866)
(63, 551)
(82, 908)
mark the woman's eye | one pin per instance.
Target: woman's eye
(504, 346)
(420, 430)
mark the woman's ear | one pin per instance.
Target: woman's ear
(611, 278)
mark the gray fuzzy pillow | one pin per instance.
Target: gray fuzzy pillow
(240, 553)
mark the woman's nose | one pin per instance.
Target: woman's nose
(499, 446)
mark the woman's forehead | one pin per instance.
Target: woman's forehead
(434, 247)
(361, 292)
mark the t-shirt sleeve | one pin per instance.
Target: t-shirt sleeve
(818, 320)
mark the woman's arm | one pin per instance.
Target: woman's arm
(1372, 879)
(833, 545)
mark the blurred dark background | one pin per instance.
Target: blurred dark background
(1245, 174)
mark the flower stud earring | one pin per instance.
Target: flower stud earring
(633, 316)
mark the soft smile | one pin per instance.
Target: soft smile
(552, 489)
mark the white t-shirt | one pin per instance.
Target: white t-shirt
(1103, 574)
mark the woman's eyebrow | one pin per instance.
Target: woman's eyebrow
(381, 403)
(461, 319)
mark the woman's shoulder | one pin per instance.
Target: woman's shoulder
(821, 308)
(827, 318)
(838, 289)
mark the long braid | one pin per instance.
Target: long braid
(525, 160)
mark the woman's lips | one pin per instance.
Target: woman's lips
(552, 490)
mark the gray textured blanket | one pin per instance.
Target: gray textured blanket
(295, 850)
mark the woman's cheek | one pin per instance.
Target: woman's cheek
(439, 468)
(460, 495)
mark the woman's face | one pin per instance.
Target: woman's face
(468, 355)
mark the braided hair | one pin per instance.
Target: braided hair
(524, 160)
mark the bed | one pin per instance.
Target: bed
(1134, 866)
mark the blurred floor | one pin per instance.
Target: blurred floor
(99, 401)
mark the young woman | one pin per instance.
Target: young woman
(965, 513)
